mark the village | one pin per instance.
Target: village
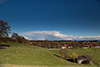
(66, 44)
(84, 45)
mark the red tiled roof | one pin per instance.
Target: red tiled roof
(88, 45)
(64, 45)
(91, 45)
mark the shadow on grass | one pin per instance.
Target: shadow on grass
(69, 59)
(56, 55)
(4, 46)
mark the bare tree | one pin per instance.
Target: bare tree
(4, 28)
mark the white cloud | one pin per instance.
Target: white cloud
(56, 35)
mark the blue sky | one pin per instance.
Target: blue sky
(53, 19)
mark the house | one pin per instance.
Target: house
(66, 46)
(91, 46)
(70, 46)
(97, 46)
(87, 46)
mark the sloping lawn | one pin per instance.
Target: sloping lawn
(26, 55)
(94, 52)
(22, 54)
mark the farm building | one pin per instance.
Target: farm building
(66, 46)
(87, 46)
(97, 46)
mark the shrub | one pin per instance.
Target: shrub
(61, 53)
(74, 56)
(64, 53)
(89, 56)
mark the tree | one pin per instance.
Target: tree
(4, 28)
(61, 53)
(88, 55)
(74, 56)
(15, 36)
(19, 39)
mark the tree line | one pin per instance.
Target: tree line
(5, 31)
(55, 44)
(58, 44)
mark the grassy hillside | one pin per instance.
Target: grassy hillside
(21, 54)
(94, 52)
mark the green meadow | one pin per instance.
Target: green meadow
(22, 55)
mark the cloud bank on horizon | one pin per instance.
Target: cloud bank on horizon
(55, 35)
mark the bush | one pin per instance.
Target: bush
(89, 56)
(64, 53)
(61, 53)
(74, 56)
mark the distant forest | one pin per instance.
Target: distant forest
(60, 43)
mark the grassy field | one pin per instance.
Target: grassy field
(21, 55)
